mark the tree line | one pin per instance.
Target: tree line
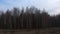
(29, 18)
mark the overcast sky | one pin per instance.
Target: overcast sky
(51, 6)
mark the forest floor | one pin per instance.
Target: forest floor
(54, 30)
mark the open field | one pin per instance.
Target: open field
(37, 31)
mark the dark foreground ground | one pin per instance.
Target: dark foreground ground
(54, 30)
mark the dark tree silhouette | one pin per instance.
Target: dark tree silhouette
(29, 18)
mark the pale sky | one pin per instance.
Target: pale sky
(51, 6)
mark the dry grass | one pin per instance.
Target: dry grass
(35, 31)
